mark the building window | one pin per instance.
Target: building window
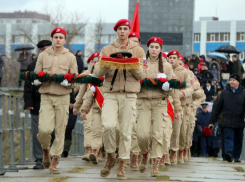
(218, 37)
(240, 36)
(197, 37)
(226, 37)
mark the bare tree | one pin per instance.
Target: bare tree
(98, 34)
(72, 22)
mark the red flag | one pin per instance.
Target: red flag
(135, 27)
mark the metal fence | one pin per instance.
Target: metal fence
(13, 118)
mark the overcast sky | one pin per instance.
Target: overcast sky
(113, 10)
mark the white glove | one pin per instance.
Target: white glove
(166, 86)
(93, 89)
(161, 75)
(65, 83)
(36, 82)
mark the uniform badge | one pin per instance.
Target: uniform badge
(191, 82)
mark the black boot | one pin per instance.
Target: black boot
(66, 150)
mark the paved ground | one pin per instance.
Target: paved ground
(198, 169)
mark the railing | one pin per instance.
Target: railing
(13, 119)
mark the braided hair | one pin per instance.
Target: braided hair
(160, 62)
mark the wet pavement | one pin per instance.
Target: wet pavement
(74, 169)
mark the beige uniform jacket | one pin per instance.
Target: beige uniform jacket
(133, 77)
(196, 87)
(151, 72)
(89, 101)
(82, 90)
(182, 74)
(52, 63)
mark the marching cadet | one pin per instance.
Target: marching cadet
(87, 124)
(152, 107)
(166, 137)
(119, 100)
(186, 127)
(135, 150)
(55, 98)
(181, 74)
(94, 98)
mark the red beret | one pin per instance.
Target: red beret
(174, 52)
(164, 55)
(202, 60)
(97, 54)
(121, 23)
(134, 34)
(156, 40)
(58, 30)
(186, 66)
(181, 58)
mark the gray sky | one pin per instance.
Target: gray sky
(92, 9)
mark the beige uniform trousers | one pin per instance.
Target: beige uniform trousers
(151, 125)
(121, 108)
(183, 129)
(134, 143)
(53, 114)
(167, 137)
(174, 141)
(87, 125)
(190, 129)
(96, 129)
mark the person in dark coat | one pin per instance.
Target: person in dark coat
(229, 64)
(196, 132)
(216, 140)
(237, 66)
(80, 63)
(232, 103)
(204, 116)
(1, 69)
(25, 58)
(209, 91)
(32, 99)
(215, 85)
(194, 60)
(207, 76)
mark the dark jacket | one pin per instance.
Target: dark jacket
(203, 118)
(32, 97)
(220, 118)
(80, 64)
(233, 106)
(209, 94)
(217, 137)
(229, 67)
(237, 68)
(195, 62)
(205, 78)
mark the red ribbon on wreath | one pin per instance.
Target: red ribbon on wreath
(162, 80)
(41, 74)
(69, 76)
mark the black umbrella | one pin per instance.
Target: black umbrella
(22, 47)
(228, 49)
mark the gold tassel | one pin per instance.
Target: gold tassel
(120, 66)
